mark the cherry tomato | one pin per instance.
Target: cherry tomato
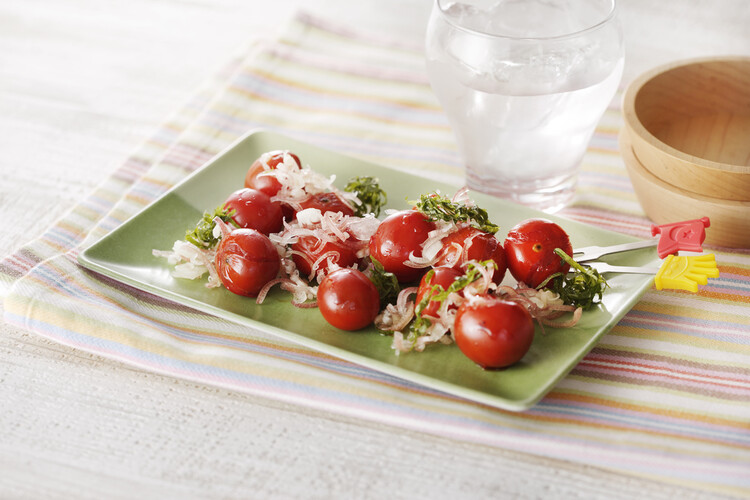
(399, 235)
(348, 300)
(266, 183)
(493, 333)
(327, 202)
(477, 245)
(246, 260)
(312, 249)
(530, 251)
(255, 210)
(443, 276)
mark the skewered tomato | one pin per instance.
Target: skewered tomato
(493, 333)
(327, 202)
(255, 210)
(470, 243)
(348, 300)
(398, 236)
(443, 276)
(309, 249)
(245, 261)
(267, 183)
(530, 251)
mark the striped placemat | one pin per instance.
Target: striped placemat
(666, 394)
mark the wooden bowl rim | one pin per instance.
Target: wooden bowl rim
(634, 122)
(629, 157)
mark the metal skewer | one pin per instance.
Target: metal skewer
(586, 254)
(603, 267)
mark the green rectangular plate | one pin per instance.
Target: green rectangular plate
(125, 255)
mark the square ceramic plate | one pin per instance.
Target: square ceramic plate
(125, 255)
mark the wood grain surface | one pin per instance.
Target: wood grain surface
(689, 125)
(82, 83)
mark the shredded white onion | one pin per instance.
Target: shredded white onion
(362, 228)
(309, 217)
(544, 305)
(191, 262)
(335, 227)
(397, 317)
(462, 197)
(301, 290)
(299, 183)
(267, 287)
(431, 246)
(221, 229)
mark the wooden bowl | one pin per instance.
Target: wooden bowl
(665, 203)
(689, 123)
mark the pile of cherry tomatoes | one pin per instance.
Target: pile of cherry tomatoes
(311, 239)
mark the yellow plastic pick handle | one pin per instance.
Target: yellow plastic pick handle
(686, 272)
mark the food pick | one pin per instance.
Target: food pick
(685, 236)
(675, 272)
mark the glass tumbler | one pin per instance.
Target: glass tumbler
(524, 84)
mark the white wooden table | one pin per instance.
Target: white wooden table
(82, 82)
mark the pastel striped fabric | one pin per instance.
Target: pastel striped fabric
(666, 394)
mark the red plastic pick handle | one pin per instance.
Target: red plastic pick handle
(687, 236)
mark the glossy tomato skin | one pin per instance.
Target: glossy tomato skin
(477, 245)
(327, 202)
(397, 236)
(348, 300)
(493, 333)
(268, 184)
(255, 210)
(530, 251)
(246, 260)
(443, 276)
(311, 249)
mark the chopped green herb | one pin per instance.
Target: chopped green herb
(439, 207)
(368, 191)
(581, 287)
(203, 234)
(385, 282)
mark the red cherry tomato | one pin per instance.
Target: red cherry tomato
(399, 235)
(493, 333)
(443, 276)
(348, 300)
(477, 245)
(308, 249)
(266, 183)
(246, 260)
(530, 251)
(255, 210)
(327, 202)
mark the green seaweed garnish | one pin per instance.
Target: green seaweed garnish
(439, 207)
(582, 286)
(203, 234)
(385, 282)
(369, 192)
